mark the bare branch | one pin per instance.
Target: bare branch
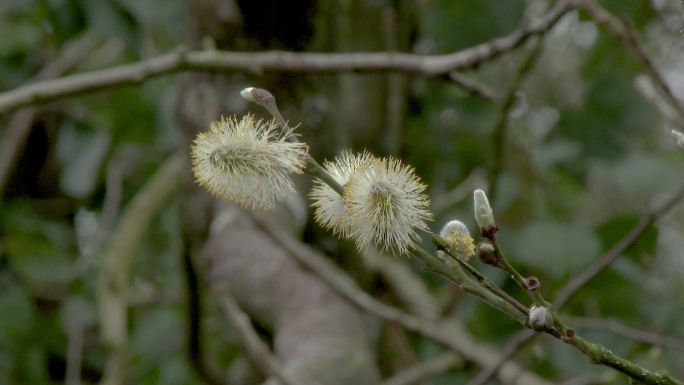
(522, 338)
(257, 350)
(514, 345)
(474, 88)
(500, 130)
(14, 138)
(625, 33)
(626, 331)
(426, 65)
(447, 332)
(116, 264)
(614, 252)
(425, 369)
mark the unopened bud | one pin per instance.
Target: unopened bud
(484, 216)
(532, 283)
(256, 95)
(540, 318)
(487, 254)
(679, 138)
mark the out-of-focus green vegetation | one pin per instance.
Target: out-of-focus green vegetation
(586, 156)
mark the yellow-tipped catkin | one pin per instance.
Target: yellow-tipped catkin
(247, 162)
(329, 208)
(385, 204)
(457, 237)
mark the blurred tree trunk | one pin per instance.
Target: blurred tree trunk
(316, 334)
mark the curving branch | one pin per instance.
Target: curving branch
(637, 335)
(446, 332)
(521, 339)
(258, 351)
(257, 62)
(624, 32)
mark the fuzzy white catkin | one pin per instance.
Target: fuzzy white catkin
(247, 162)
(457, 237)
(385, 205)
(329, 208)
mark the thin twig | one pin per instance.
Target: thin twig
(521, 339)
(445, 332)
(426, 65)
(516, 343)
(626, 331)
(258, 351)
(441, 244)
(426, 369)
(474, 88)
(116, 264)
(624, 32)
(499, 132)
(464, 189)
(614, 252)
(74, 353)
(14, 138)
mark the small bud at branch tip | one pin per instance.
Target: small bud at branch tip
(257, 95)
(484, 216)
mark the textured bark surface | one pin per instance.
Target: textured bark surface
(319, 337)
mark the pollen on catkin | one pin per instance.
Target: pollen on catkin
(329, 208)
(457, 237)
(247, 162)
(385, 204)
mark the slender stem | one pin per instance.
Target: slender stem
(469, 285)
(268, 101)
(442, 245)
(505, 265)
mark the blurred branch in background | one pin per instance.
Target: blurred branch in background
(19, 126)
(116, 264)
(258, 351)
(636, 335)
(424, 370)
(499, 131)
(258, 62)
(443, 202)
(624, 32)
(473, 87)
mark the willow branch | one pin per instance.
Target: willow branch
(472, 87)
(258, 62)
(625, 33)
(565, 294)
(617, 249)
(634, 334)
(14, 138)
(259, 353)
(426, 369)
(500, 130)
(116, 265)
(445, 332)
